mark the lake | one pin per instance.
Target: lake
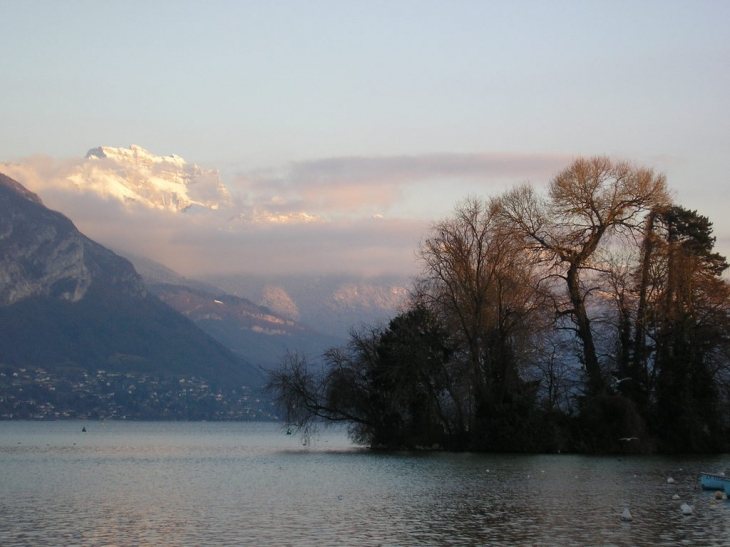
(231, 484)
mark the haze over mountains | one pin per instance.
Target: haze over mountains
(84, 334)
(163, 210)
(73, 312)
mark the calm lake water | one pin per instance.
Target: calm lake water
(230, 484)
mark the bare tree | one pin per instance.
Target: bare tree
(586, 203)
(478, 280)
(601, 266)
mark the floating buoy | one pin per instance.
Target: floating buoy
(686, 509)
(719, 495)
(626, 515)
(670, 480)
(675, 497)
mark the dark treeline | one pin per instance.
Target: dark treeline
(590, 318)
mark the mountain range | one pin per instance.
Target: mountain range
(168, 186)
(72, 308)
(265, 315)
(255, 331)
(83, 333)
(333, 304)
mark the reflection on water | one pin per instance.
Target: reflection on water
(200, 484)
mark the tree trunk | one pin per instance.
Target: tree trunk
(583, 323)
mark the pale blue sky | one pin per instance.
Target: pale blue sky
(272, 86)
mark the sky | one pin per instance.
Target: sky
(378, 117)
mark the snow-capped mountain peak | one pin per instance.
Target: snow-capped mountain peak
(134, 175)
(135, 154)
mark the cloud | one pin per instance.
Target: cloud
(338, 212)
(357, 184)
(41, 172)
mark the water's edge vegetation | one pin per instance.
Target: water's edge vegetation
(592, 318)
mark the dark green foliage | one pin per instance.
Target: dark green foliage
(694, 233)
(612, 423)
(391, 385)
(681, 332)
(395, 387)
(411, 367)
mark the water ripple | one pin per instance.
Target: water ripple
(249, 484)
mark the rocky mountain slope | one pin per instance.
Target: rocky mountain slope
(69, 303)
(43, 255)
(263, 336)
(303, 312)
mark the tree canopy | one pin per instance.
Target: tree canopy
(592, 317)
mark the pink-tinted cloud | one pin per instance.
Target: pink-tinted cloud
(355, 184)
(341, 235)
